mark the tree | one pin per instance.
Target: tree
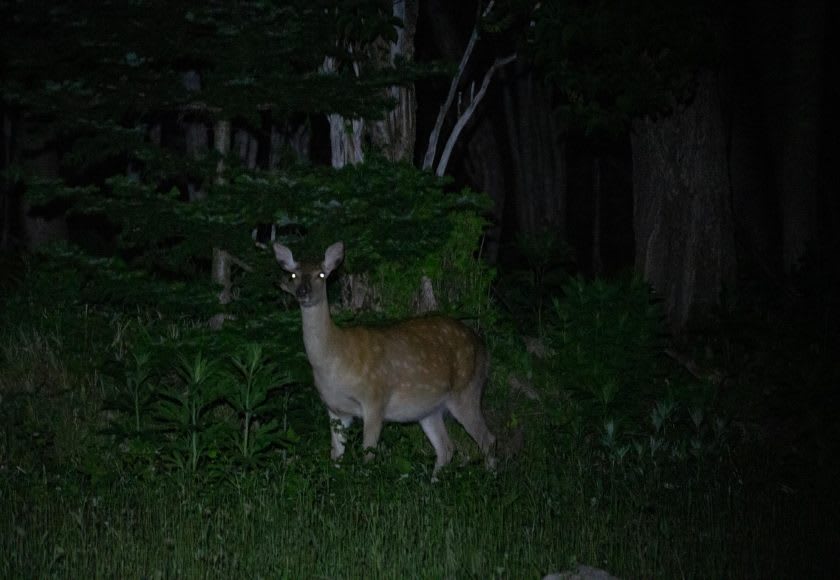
(78, 65)
(639, 66)
(396, 133)
(786, 49)
(483, 154)
(115, 87)
(373, 35)
(468, 101)
(537, 141)
(685, 245)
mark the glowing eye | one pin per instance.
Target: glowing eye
(321, 275)
(294, 275)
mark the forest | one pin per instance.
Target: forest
(593, 243)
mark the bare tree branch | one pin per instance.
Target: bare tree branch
(431, 150)
(468, 112)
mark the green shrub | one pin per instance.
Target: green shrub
(397, 222)
(194, 416)
(541, 269)
(612, 387)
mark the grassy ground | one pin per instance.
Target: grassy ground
(312, 520)
(75, 502)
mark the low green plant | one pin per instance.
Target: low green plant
(248, 389)
(182, 413)
(134, 401)
(625, 463)
(611, 385)
(540, 274)
(606, 340)
(460, 282)
(194, 415)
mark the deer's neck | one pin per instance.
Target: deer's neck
(319, 334)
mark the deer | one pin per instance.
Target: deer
(417, 370)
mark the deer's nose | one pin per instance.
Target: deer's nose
(303, 290)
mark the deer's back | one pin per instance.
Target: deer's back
(420, 358)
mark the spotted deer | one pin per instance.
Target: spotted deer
(415, 370)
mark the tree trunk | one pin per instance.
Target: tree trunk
(246, 147)
(538, 153)
(597, 264)
(484, 166)
(357, 293)
(751, 167)
(425, 300)
(290, 136)
(683, 219)
(156, 134)
(221, 143)
(196, 136)
(345, 135)
(8, 184)
(395, 134)
(40, 158)
(484, 161)
(220, 274)
(345, 140)
(798, 142)
(197, 144)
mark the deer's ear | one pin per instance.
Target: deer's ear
(333, 257)
(284, 257)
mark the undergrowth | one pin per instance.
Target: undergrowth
(135, 443)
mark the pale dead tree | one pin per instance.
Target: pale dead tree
(195, 131)
(395, 134)
(222, 273)
(346, 148)
(345, 134)
(425, 300)
(246, 147)
(465, 113)
(221, 143)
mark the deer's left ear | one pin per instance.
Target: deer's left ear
(333, 257)
(284, 257)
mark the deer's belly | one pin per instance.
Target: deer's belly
(406, 403)
(413, 405)
(340, 403)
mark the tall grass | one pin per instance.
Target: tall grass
(79, 502)
(312, 520)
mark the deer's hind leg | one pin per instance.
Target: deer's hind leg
(466, 408)
(435, 429)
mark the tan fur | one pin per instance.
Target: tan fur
(415, 370)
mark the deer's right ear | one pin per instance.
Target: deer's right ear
(333, 257)
(284, 257)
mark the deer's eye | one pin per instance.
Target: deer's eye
(293, 276)
(321, 275)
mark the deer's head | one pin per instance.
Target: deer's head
(307, 281)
